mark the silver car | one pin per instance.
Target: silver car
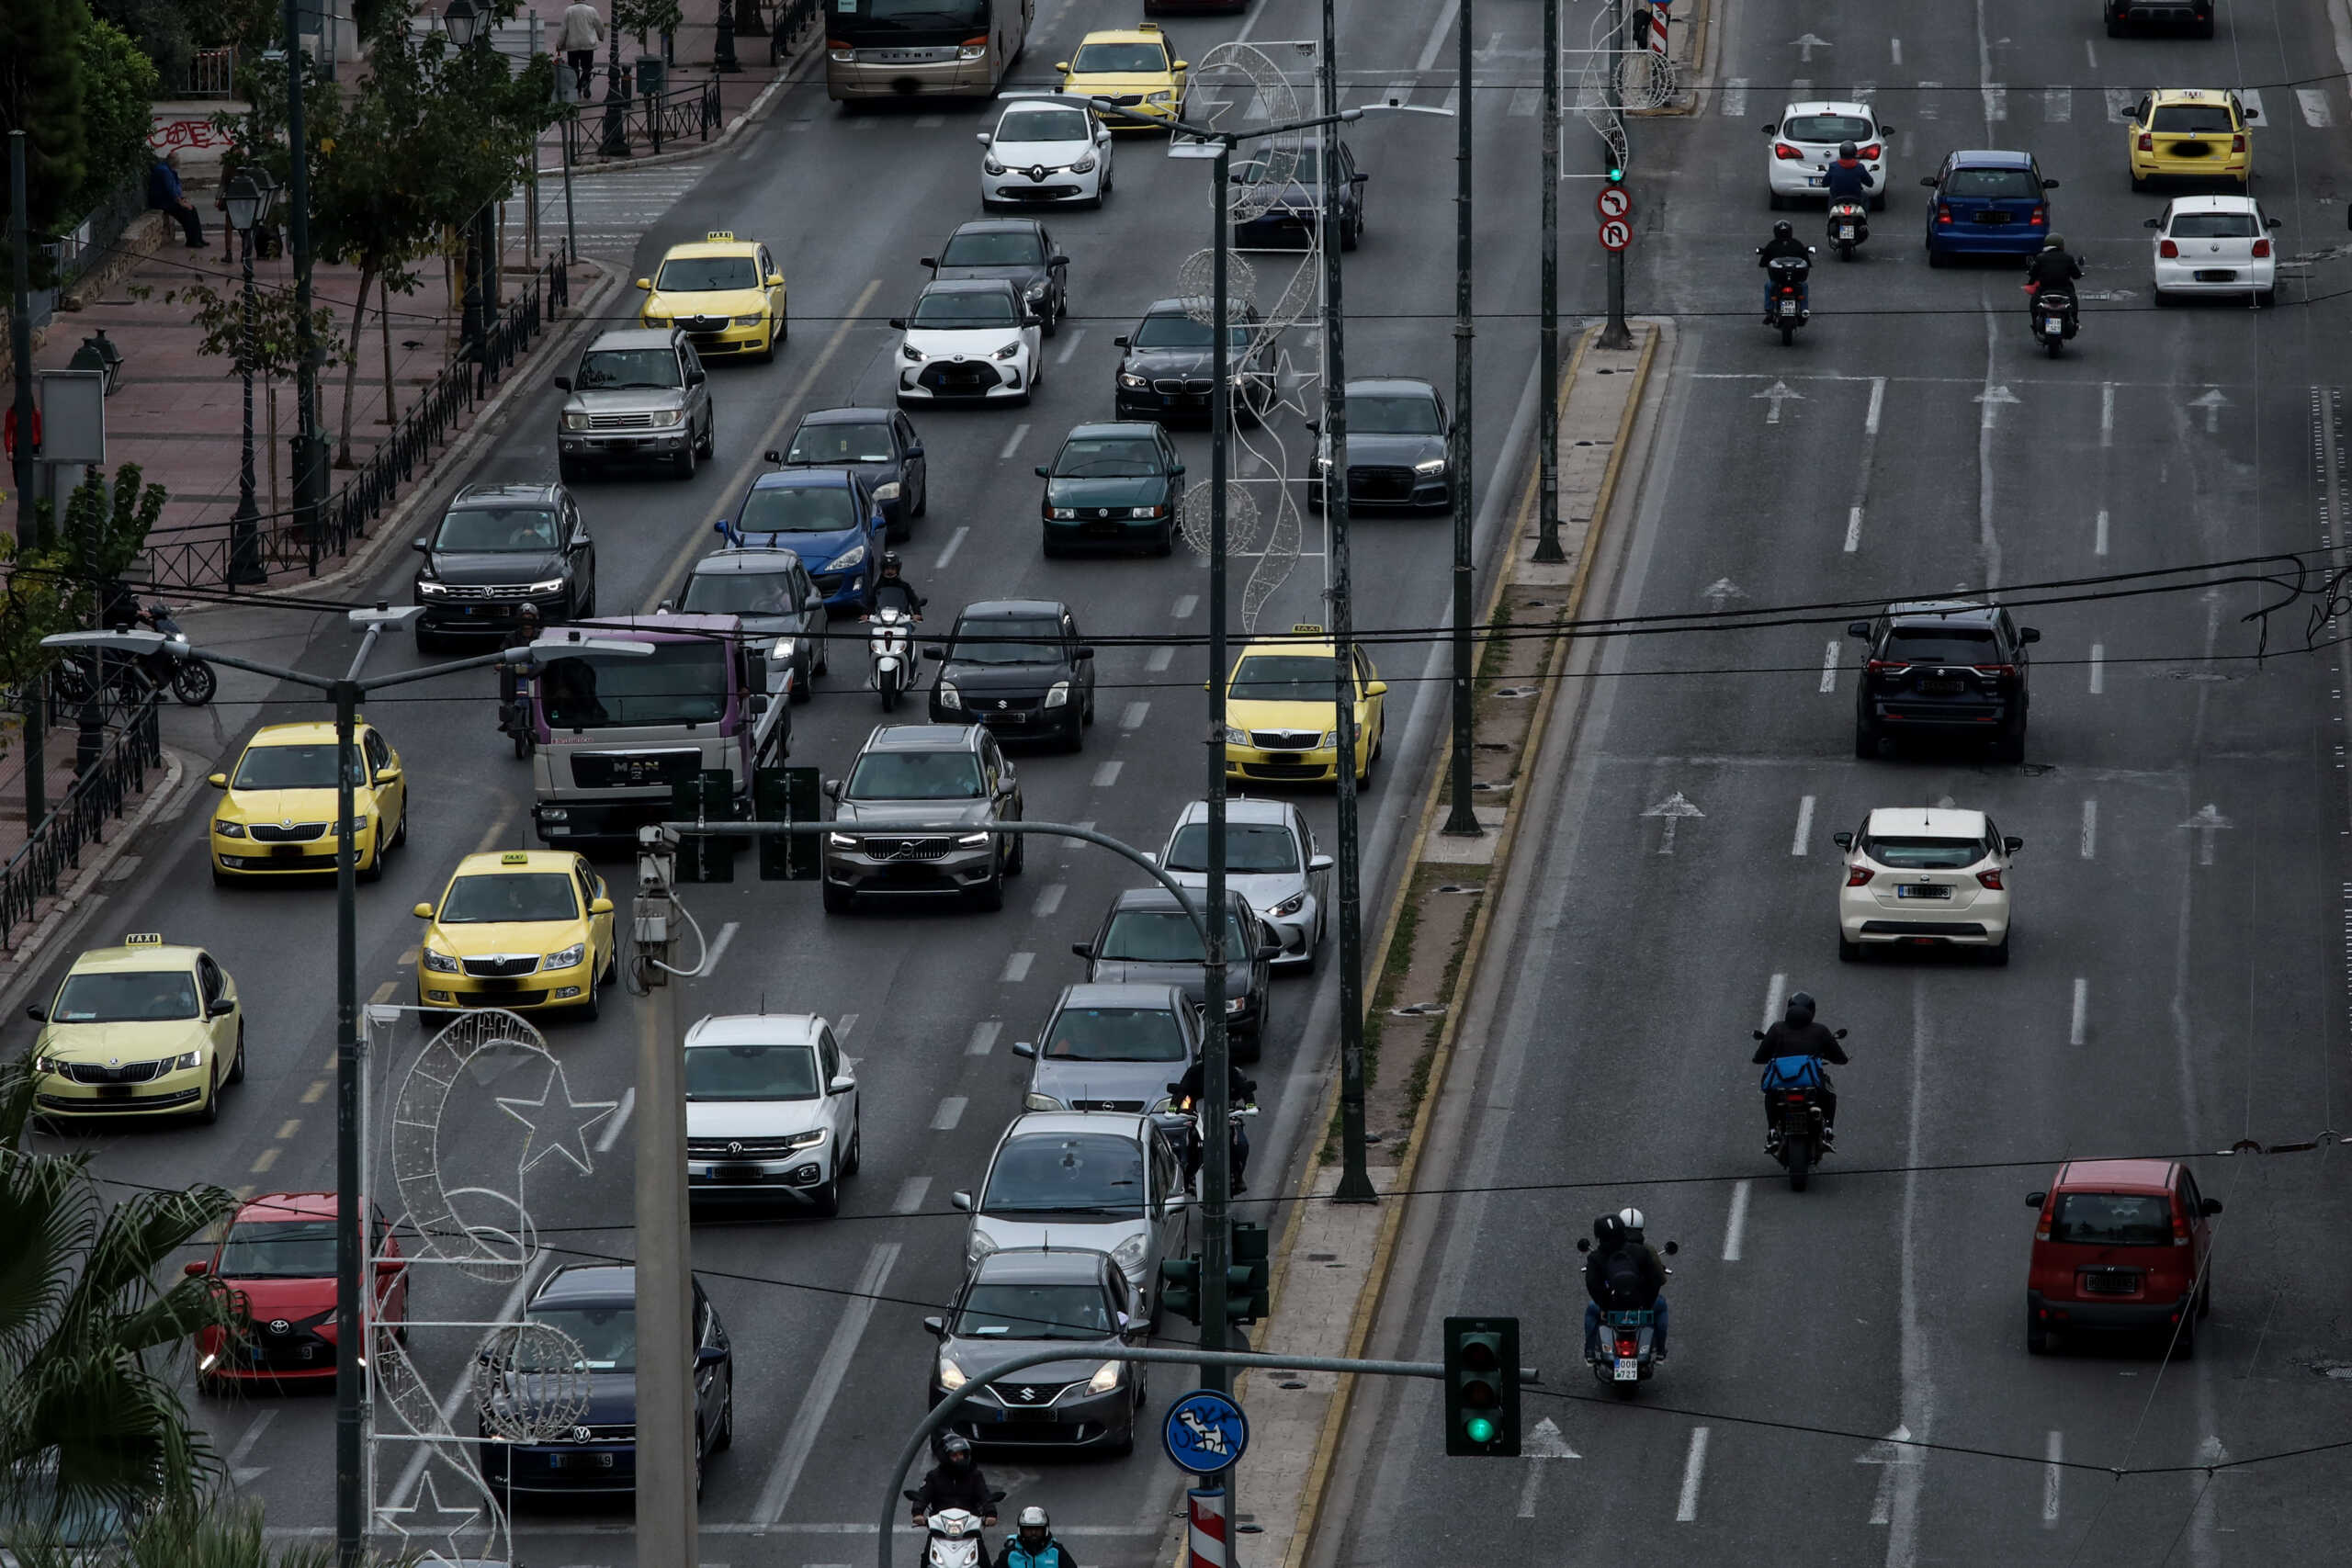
(639, 395)
(1270, 860)
(1111, 1048)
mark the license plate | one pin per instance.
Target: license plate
(736, 1173)
(286, 852)
(1992, 218)
(1817, 180)
(1845, 230)
(1943, 688)
(2053, 326)
(114, 1091)
(497, 982)
(2216, 274)
(1921, 890)
(560, 1461)
(1628, 1369)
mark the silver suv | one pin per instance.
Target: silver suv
(640, 393)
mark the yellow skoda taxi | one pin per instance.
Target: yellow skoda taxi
(728, 294)
(1281, 710)
(521, 929)
(277, 805)
(1123, 62)
(2191, 134)
(140, 1030)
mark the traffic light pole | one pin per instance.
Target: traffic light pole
(1615, 333)
(1547, 430)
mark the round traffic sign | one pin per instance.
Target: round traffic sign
(1206, 1431)
(1615, 234)
(1613, 202)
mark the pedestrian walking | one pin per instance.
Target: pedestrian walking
(582, 31)
(165, 196)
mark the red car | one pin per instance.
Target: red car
(278, 1259)
(2121, 1243)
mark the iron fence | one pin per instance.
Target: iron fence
(793, 18)
(54, 849)
(211, 73)
(623, 129)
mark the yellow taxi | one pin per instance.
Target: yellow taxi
(2191, 134)
(145, 1029)
(520, 929)
(726, 293)
(277, 805)
(1139, 62)
(1281, 710)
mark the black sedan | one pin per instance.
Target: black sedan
(1166, 372)
(1295, 208)
(880, 444)
(1025, 1298)
(497, 548)
(1397, 448)
(1017, 250)
(1118, 485)
(1017, 667)
(1146, 938)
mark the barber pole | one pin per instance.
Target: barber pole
(1205, 1548)
(1657, 27)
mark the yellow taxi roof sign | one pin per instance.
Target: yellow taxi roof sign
(718, 235)
(515, 857)
(1306, 629)
(144, 939)
(1147, 27)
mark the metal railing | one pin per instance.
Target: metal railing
(212, 73)
(36, 872)
(198, 555)
(793, 18)
(648, 123)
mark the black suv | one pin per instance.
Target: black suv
(497, 548)
(1165, 371)
(1943, 667)
(1017, 667)
(1017, 250)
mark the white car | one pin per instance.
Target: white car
(771, 1110)
(1046, 151)
(1270, 859)
(1106, 1182)
(968, 340)
(2215, 245)
(1806, 139)
(1926, 877)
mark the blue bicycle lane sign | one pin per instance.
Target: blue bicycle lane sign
(1206, 1431)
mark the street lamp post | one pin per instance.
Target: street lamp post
(1460, 820)
(616, 136)
(248, 199)
(464, 19)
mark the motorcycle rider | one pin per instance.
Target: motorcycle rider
(955, 1481)
(1622, 1273)
(1784, 243)
(1847, 178)
(893, 592)
(2055, 267)
(1193, 1088)
(1033, 1544)
(510, 680)
(1798, 1035)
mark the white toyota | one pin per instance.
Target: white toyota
(1804, 141)
(771, 1110)
(1926, 877)
(968, 340)
(1045, 152)
(2215, 245)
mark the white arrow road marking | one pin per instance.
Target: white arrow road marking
(1889, 1456)
(239, 1470)
(2205, 824)
(1673, 808)
(2212, 402)
(2316, 113)
(1805, 45)
(1779, 392)
(2120, 102)
(1543, 1443)
(1990, 401)
(1721, 592)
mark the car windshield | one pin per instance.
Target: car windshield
(993, 247)
(278, 1249)
(1392, 414)
(841, 442)
(1035, 1312)
(606, 1337)
(1941, 645)
(492, 529)
(1305, 169)
(752, 1072)
(1126, 59)
(2215, 226)
(1046, 1173)
(1905, 854)
(1164, 936)
(291, 767)
(2112, 1219)
(139, 996)
(702, 274)
(2192, 119)
(494, 900)
(1114, 1035)
(1043, 125)
(1992, 184)
(963, 311)
(1176, 329)
(1827, 127)
(1287, 678)
(916, 775)
(1008, 642)
(926, 14)
(738, 593)
(617, 369)
(799, 509)
(1249, 846)
(678, 682)
(1100, 457)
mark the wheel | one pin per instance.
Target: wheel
(684, 461)
(725, 1437)
(922, 497)
(2036, 1339)
(374, 870)
(221, 878)
(1867, 743)
(2205, 29)
(854, 1155)
(2053, 345)
(569, 470)
(838, 899)
(1074, 737)
(1020, 858)
(591, 1007)
(1997, 955)
(1800, 1157)
(803, 681)
(193, 682)
(400, 834)
(1788, 334)
(1352, 235)
(1125, 1443)
(890, 697)
(2010, 746)
(1849, 952)
(989, 895)
(826, 1201)
(2138, 183)
(209, 1111)
(523, 745)
(1780, 203)
(2184, 1345)
(1088, 717)
(1315, 499)
(1935, 258)
(1877, 204)
(783, 325)
(1845, 251)
(1046, 547)
(767, 354)
(1166, 544)
(237, 1062)
(2114, 29)
(2266, 296)
(2205, 1298)
(1053, 322)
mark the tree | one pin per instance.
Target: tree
(118, 84)
(41, 94)
(642, 16)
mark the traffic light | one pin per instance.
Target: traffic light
(787, 795)
(1180, 1287)
(1615, 177)
(1482, 1387)
(706, 795)
(1246, 1294)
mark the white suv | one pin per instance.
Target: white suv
(771, 1110)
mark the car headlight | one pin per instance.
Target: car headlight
(1105, 1378)
(1034, 1101)
(752, 319)
(949, 697)
(428, 589)
(1129, 378)
(1146, 510)
(48, 1064)
(1330, 738)
(1235, 1004)
(440, 962)
(188, 1059)
(1159, 97)
(951, 1376)
(230, 829)
(359, 826)
(1292, 905)
(661, 417)
(853, 556)
(810, 1140)
(911, 351)
(547, 585)
(971, 841)
(1430, 465)
(990, 166)
(841, 841)
(1128, 1253)
(1007, 352)
(971, 51)
(1036, 292)
(1057, 694)
(1164, 1104)
(1085, 165)
(566, 957)
(657, 321)
(1062, 513)
(976, 1246)
(1235, 738)
(575, 422)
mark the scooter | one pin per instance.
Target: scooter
(1796, 1121)
(953, 1535)
(1788, 275)
(2057, 318)
(1849, 225)
(891, 658)
(1183, 1117)
(1628, 1356)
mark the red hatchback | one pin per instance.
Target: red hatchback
(278, 1259)
(2121, 1243)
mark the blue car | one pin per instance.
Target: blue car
(831, 518)
(1987, 204)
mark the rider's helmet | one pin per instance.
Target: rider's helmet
(527, 612)
(1631, 1222)
(1848, 150)
(1801, 1009)
(2055, 243)
(1035, 1528)
(955, 1450)
(890, 563)
(1783, 230)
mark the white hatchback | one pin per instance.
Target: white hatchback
(1806, 139)
(2215, 245)
(1926, 877)
(1046, 151)
(968, 340)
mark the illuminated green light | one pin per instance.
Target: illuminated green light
(1480, 1429)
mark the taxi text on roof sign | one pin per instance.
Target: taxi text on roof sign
(1306, 629)
(515, 857)
(144, 939)
(718, 236)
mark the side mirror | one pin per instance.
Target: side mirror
(696, 377)
(1885, 131)
(2270, 223)
(2152, 223)
(1177, 472)
(1028, 1048)
(1756, 1034)
(915, 451)
(1858, 628)
(1843, 840)
(934, 651)
(2209, 1207)
(1927, 180)
(2250, 114)
(1083, 654)
(1061, 65)
(1083, 951)
(1375, 688)
(1771, 128)
(759, 702)
(1058, 261)
(645, 283)
(37, 1013)
(1119, 341)
(2029, 634)
(1319, 863)
(1044, 472)
(2049, 185)
(600, 907)
(814, 603)
(833, 788)
(776, 281)
(221, 1006)
(1270, 950)
(1672, 1247)
(563, 383)
(1358, 179)
(667, 607)
(929, 262)
(420, 545)
(1032, 321)
(194, 1269)
(898, 323)
(1841, 1034)
(996, 1496)
(985, 139)
(841, 1083)
(218, 781)
(938, 1326)
(911, 1496)
(1151, 856)
(424, 911)
(710, 1355)
(961, 1199)
(772, 456)
(2036, 1199)
(1584, 1243)
(2011, 846)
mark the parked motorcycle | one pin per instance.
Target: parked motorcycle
(129, 677)
(1787, 276)
(1797, 1130)
(892, 663)
(953, 1536)
(2057, 318)
(1849, 225)
(1627, 1356)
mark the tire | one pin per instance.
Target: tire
(2184, 1344)
(725, 1437)
(826, 1201)
(2036, 1339)
(2053, 345)
(922, 497)
(1788, 334)
(1088, 717)
(524, 747)
(989, 895)
(1799, 1151)
(684, 463)
(710, 436)
(783, 334)
(1845, 251)
(400, 834)
(2205, 1298)
(1166, 544)
(1047, 549)
(2114, 29)
(1352, 235)
(1867, 743)
(374, 870)
(569, 470)
(804, 681)
(2265, 298)
(1019, 861)
(2139, 185)
(592, 1009)
(1074, 738)
(2207, 29)
(237, 1063)
(209, 1113)
(2010, 746)
(1876, 204)
(1780, 203)
(767, 355)
(1849, 952)
(838, 900)
(889, 697)
(1997, 955)
(854, 1155)
(1936, 258)
(193, 682)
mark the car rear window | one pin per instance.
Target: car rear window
(1827, 127)
(2215, 226)
(993, 247)
(2192, 119)
(1941, 645)
(2112, 1219)
(1919, 853)
(1115, 1034)
(1992, 184)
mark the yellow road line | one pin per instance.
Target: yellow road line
(407, 961)
(290, 1126)
(268, 1157)
(384, 992)
(498, 824)
(315, 1093)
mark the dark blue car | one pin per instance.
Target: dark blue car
(829, 517)
(1987, 204)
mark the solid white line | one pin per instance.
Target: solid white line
(2090, 830)
(2099, 541)
(954, 543)
(1829, 667)
(2079, 1028)
(950, 1111)
(612, 1133)
(1107, 774)
(1071, 346)
(1736, 1228)
(984, 1035)
(718, 947)
(1049, 898)
(1853, 529)
(1797, 844)
(1438, 33)
(2052, 1474)
(1878, 405)
(1161, 658)
(1016, 967)
(459, 1396)
(2099, 668)
(833, 1367)
(1988, 542)
(1183, 608)
(910, 1195)
(1775, 995)
(1693, 1469)
(1011, 442)
(1134, 716)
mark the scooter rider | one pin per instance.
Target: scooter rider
(893, 592)
(2055, 267)
(1193, 1088)
(1784, 243)
(1798, 1035)
(1847, 178)
(1623, 1274)
(1033, 1544)
(955, 1481)
(510, 680)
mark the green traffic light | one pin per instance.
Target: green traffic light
(1479, 1430)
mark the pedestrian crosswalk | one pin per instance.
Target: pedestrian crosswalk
(610, 211)
(2053, 106)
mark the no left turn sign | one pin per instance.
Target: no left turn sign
(1613, 202)
(1615, 233)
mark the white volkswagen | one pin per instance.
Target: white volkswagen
(1926, 877)
(968, 340)
(771, 1110)
(1804, 141)
(1046, 151)
(2215, 245)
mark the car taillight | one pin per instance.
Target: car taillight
(2040, 216)
(841, 46)
(1887, 666)
(1871, 152)
(2262, 247)
(2237, 143)
(1995, 668)
(2147, 142)
(1625, 1347)
(1856, 875)
(2167, 249)
(1783, 152)
(1991, 879)
(1943, 213)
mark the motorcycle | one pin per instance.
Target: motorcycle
(2057, 318)
(1627, 1356)
(1788, 275)
(1849, 225)
(514, 723)
(1796, 1117)
(1182, 1118)
(189, 679)
(954, 1535)
(891, 660)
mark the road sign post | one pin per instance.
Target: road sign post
(1615, 234)
(1206, 1431)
